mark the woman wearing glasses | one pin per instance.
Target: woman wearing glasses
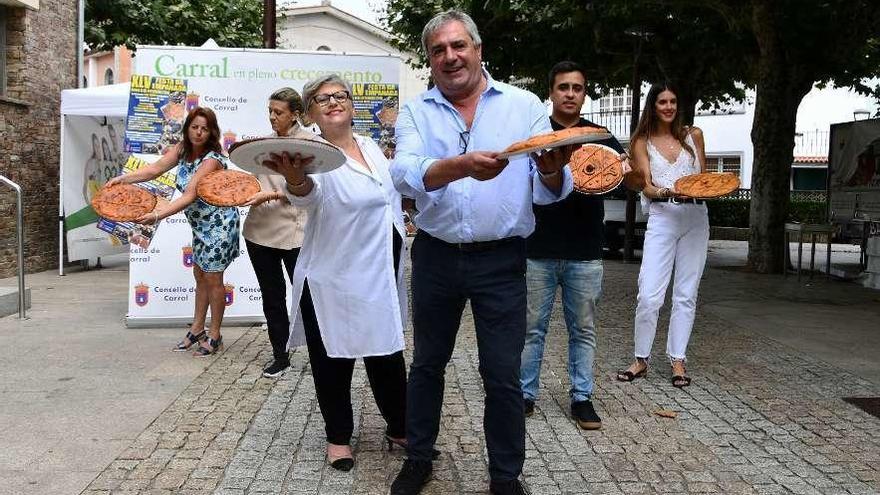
(348, 278)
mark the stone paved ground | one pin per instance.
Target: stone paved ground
(760, 418)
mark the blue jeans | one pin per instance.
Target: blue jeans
(581, 283)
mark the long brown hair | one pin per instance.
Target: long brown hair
(649, 122)
(213, 142)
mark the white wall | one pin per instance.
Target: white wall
(730, 135)
(308, 32)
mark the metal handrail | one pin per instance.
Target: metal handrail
(20, 234)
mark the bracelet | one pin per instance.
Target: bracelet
(547, 176)
(157, 217)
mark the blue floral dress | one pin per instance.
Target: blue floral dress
(215, 228)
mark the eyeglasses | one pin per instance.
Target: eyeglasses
(324, 99)
(464, 138)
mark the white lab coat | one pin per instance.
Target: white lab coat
(347, 258)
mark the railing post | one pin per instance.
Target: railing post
(22, 308)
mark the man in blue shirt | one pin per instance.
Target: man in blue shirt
(474, 213)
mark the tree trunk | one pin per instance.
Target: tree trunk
(686, 95)
(781, 85)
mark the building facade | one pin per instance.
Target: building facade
(38, 58)
(326, 28)
(107, 67)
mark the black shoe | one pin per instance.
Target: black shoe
(512, 487)
(411, 478)
(530, 407)
(276, 369)
(585, 416)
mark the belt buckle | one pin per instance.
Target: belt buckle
(674, 200)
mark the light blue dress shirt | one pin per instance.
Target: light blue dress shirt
(429, 128)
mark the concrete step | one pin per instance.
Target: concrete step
(9, 300)
(846, 271)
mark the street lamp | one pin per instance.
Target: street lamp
(861, 114)
(630, 226)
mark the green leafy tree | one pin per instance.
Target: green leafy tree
(800, 43)
(680, 41)
(234, 23)
(712, 49)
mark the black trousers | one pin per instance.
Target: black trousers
(268, 264)
(443, 279)
(332, 376)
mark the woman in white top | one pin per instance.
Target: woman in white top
(273, 233)
(676, 240)
(348, 279)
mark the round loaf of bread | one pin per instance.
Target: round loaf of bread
(227, 187)
(123, 202)
(596, 169)
(707, 185)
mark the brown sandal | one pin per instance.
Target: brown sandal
(628, 376)
(680, 381)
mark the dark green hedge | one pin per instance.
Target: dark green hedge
(735, 212)
(728, 212)
(806, 211)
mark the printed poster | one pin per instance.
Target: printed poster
(92, 155)
(156, 111)
(162, 187)
(375, 113)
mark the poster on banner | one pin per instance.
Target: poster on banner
(156, 112)
(162, 187)
(236, 85)
(162, 287)
(375, 113)
(92, 155)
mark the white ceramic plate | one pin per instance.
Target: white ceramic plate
(250, 154)
(581, 139)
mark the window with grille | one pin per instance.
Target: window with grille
(724, 163)
(108, 76)
(617, 100)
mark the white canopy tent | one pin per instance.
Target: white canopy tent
(83, 108)
(102, 101)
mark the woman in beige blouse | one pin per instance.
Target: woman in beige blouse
(273, 232)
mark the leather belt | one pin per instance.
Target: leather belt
(473, 247)
(679, 201)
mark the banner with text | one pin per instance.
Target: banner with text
(236, 84)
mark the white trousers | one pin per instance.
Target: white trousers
(676, 241)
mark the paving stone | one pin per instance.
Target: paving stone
(759, 418)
